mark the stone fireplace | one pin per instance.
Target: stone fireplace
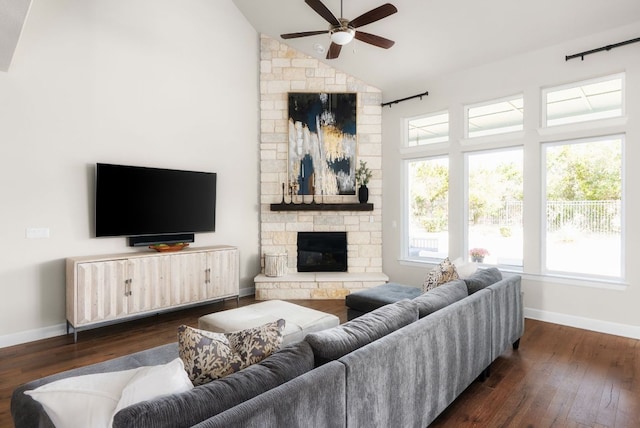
(284, 70)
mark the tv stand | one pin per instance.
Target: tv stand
(118, 287)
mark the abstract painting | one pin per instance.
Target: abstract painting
(322, 143)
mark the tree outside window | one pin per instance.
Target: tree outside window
(583, 207)
(428, 196)
(495, 206)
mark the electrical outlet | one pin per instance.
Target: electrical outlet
(37, 232)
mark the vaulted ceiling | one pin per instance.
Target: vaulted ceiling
(12, 17)
(432, 37)
(435, 37)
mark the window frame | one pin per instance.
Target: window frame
(577, 84)
(544, 270)
(532, 138)
(406, 122)
(406, 209)
(466, 223)
(467, 107)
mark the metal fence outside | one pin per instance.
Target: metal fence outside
(589, 216)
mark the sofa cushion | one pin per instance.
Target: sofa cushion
(27, 412)
(375, 297)
(441, 296)
(93, 399)
(189, 408)
(482, 278)
(335, 342)
(208, 356)
(441, 274)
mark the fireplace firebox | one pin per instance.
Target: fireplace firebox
(322, 251)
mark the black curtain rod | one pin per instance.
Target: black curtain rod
(405, 99)
(604, 48)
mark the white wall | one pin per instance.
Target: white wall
(613, 310)
(151, 82)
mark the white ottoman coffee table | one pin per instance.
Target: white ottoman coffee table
(299, 320)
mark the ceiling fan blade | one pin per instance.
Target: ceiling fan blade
(302, 34)
(322, 10)
(372, 39)
(374, 15)
(334, 51)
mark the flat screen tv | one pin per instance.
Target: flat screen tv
(137, 201)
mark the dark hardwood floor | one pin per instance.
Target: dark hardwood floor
(560, 376)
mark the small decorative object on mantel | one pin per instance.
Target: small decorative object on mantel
(363, 175)
(165, 248)
(478, 254)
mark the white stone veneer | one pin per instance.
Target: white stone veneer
(284, 70)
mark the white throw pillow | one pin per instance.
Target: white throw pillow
(92, 400)
(82, 401)
(465, 269)
(155, 381)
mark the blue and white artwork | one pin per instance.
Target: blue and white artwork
(322, 143)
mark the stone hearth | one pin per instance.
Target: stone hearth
(315, 285)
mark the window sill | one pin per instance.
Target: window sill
(606, 284)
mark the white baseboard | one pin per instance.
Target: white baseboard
(61, 329)
(249, 291)
(31, 335)
(607, 327)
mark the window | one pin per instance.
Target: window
(430, 129)
(583, 189)
(495, 117)
(584, 101)
(494, 206)
(428, 208)
(574, 176)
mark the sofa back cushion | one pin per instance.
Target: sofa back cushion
(482, 278)
(335, 342)
(408, 377)
(315, 399)
(189, 408)
(441, 296)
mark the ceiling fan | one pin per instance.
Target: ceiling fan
(342, 31)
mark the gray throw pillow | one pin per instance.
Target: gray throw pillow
(482, 278)
(439, 297)
(336, 342)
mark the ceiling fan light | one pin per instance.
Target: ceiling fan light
(342, 36)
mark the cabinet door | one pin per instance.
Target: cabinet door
(148, 286)
(101, 291)
(224, 273)
(188, 278)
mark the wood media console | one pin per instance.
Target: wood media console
(118, 287)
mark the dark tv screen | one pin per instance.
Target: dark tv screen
(136, 201)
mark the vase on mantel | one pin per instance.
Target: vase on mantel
(363, 194)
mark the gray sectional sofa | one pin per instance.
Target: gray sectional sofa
(401, 364)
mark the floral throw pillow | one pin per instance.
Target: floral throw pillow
(208, 356)
(441, 274)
